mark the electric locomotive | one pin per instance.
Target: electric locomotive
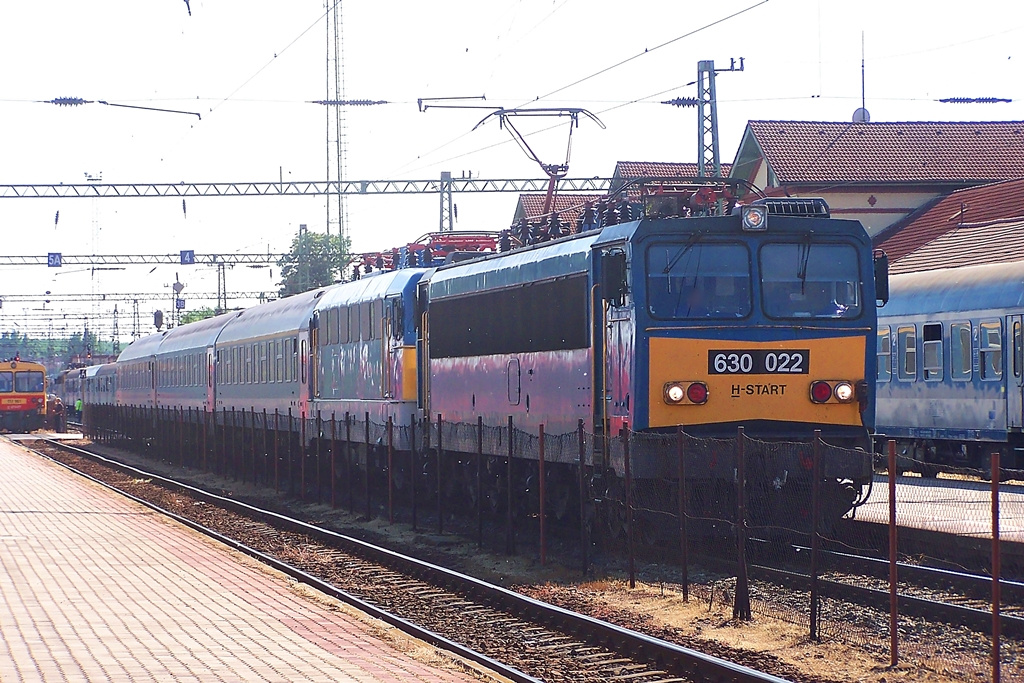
(22, 395)
(763, 319)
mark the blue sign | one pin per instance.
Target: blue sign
(179, 304)
(188, 257)
(53, 259)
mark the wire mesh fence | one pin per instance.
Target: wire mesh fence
(763, 524)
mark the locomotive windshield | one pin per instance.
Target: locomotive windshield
(698, 280)
(810, 280)
(28, 381)
(6, 381)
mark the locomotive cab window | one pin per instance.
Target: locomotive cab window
(991, 348)
(931, 343)
(810, 280)
(884, 353)
(6, 381)
(906, 340)
(696, 280)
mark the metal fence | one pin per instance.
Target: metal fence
(760, 518)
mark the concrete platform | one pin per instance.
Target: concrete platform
(96, 588)
(60, 436)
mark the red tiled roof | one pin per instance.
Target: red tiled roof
(969, 245)
(975, 205)
(660, 169)
(825, 152)
(569, 206)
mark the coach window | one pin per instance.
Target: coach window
(365, 330)
(884, 353)
(906, 340)
(295, 359)
(931, 343)
(343, 337)
(960, 351)
(991, 347)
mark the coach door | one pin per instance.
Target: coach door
(211, 377)
(1015, 379)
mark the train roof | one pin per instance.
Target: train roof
(200, 334)
(101, 370)
(142, 347)
(369, 287)
(968, 288)
(532, 264)
(284, 316)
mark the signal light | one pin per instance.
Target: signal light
(821, 392)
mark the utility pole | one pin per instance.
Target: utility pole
(446, 202)
(709, 157)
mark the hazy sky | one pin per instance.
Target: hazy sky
(250, 68)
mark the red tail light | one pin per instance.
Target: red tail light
(821, 392)
(697, 392)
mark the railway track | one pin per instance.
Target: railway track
(517, 637)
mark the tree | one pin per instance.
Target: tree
(196, 315)
(313, 261)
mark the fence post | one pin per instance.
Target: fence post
(252, 440)
(584, 540)
(413, 470)
(510, 542)
(318, 481)
(334, 457)
(741, 606)
(266, 450)
(290, 470)
(683, 557)
(391, 470)
(540, 491)
(894, 656)
(348, 463)
(815, 514)
(996, 571)
(630, 547)
(366, 480)
(179, 422)
(479, 481)
(302, 455)
(440, 449)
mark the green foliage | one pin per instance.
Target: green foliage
(314, 260)
(54, 353)
(196, 315)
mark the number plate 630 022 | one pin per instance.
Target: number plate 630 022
(758, 362)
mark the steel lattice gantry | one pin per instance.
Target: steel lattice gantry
(142, 259)
(296, 188)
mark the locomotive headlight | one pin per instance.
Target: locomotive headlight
(843, 392)
(754, 218)
(674, 392)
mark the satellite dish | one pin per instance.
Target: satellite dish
(861, 115)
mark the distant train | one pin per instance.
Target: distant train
(765, 318)
(22, 395)
(950, 361)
